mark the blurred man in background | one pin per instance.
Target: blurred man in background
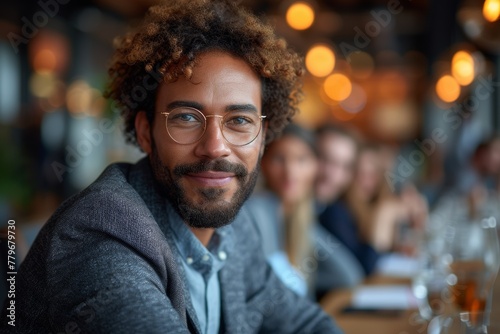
(338, 154)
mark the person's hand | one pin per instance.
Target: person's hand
(416, 205)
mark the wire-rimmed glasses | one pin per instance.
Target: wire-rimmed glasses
(186, 125)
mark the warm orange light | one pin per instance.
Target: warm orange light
(447, 89)
(44, 61)
(338, 87)
(462, 68)
(491, 10)
(300, 16)
(79, 97)
(320, 60)
(42, 84)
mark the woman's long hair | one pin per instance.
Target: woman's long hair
(299, 216)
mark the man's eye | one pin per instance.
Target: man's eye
(239, 120)
(185, 118)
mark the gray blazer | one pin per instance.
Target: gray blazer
(105, 262)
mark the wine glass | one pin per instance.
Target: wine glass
(472, 247)
(464, 323)
(429, 284)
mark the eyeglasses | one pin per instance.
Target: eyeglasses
(186, 125)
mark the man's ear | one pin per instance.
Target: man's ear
(143, 131)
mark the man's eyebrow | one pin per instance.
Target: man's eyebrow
(241, 107)
(189, 104)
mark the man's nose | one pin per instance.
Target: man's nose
(213, 145)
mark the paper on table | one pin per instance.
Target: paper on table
(397, 265)
(384, 297)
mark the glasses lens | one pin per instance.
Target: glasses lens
(185, 125)
(241, 127)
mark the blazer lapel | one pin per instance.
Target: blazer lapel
(233, 299)
(141, 178)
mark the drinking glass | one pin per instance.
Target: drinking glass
(431, 291)
(465, 323)
(472, 247)
(429, 284)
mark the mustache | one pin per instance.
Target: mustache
(219, 165)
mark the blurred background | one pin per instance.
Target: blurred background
(419, 76)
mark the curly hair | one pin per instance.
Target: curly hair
(171, 37)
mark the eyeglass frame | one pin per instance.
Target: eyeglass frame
(166, 113)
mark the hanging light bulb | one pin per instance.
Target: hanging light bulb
(462, 68)
(338, 87)
(300, 16)
(447, 89)
(320, 60)
(491, 10)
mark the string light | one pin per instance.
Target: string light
(462, 68)
(338, 87)
(491, 10)
(300, 16)
(320, 60)
(447, 89)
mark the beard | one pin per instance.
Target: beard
(213, 211)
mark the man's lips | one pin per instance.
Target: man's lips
(211, 178)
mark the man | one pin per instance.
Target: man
(338, 153)
(475, 182)
(162, 246)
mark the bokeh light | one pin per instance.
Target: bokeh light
(447, 89)
(491, 10)
(49, 52)
(42, 84)
(44, 61)
(83, 99)
(320, 60)
(300, 16)
(338, 87)
(462, 68)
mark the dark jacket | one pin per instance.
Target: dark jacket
(339, 221)
(106, 263)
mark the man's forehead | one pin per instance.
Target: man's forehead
(218, 80)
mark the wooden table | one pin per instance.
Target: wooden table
(406, 322)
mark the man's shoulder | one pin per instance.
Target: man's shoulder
(109, 214)
(112, 180)
(109, 203)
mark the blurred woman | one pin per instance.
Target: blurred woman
(289, 167)
(382, 216)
